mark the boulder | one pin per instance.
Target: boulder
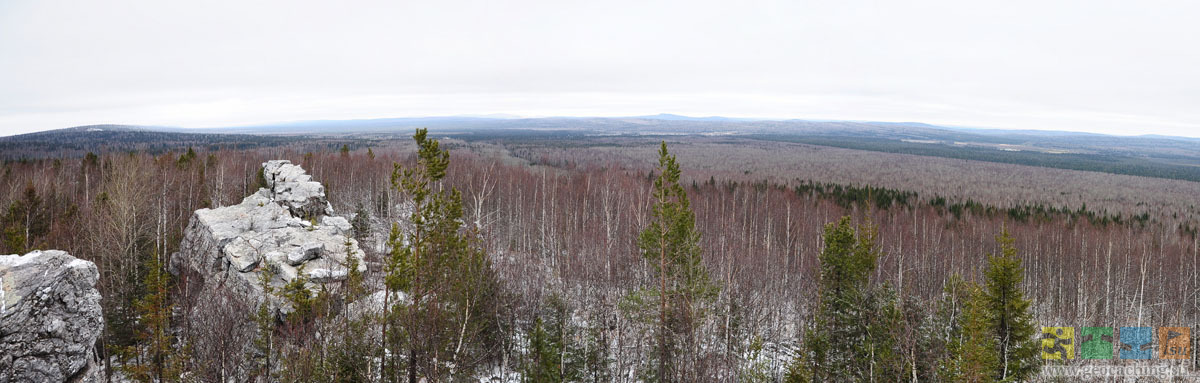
(50, 318)
(305, 253)
(284, 231)
(230, 255)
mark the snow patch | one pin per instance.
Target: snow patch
(501, 376)
(78, 264)
(16, 260)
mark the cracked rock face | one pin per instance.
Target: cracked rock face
(295, 190)
(50, 318)
(272, 231)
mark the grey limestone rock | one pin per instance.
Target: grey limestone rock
(280, 233)
(295, 190)
(284, 230)
(50, 317)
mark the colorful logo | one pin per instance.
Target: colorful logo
(1136, 343)
(1174, 342)
(1096, 343)
(1058, 343)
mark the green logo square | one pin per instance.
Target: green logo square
(1096, 343)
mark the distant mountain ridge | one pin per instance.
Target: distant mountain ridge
(676, 117)
(515, 121)
(658, 123)
(1154, 156)
(79, 140)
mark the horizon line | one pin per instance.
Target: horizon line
(680, 117)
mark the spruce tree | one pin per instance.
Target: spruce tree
(941, 333)
(553, 355)
(264, 340)
(158, 361)
(545, 348)
(885, 325)
(853, 334)
(671, 245)
(976, 359)
(360, 225)
(25, 221)
(992, 340)
(596, 358)
(1012, 323)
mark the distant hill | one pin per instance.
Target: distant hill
(676, 117)
(1153, 156)
(80, 140)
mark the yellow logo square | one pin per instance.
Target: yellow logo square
(1058, 343)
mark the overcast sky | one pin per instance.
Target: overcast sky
(1120, 67)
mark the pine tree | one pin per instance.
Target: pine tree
(671, 244)
(446, 327)
(800, 370)
(304, 303)
(346, 361)
(397, 278)
(757, 368)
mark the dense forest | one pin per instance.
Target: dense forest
(546, 263)
(1115, 163)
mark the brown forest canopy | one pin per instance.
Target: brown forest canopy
(559, 218)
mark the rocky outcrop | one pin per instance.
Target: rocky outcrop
(285, 230)
(230, 256)
(50, 317)
(295, 190)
